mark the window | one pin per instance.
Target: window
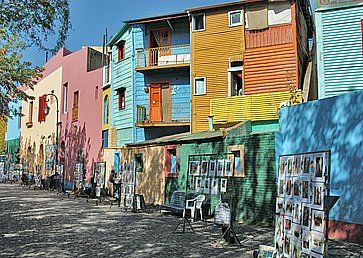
(139, 162)
(200, 86)
(106, 110)
(65, 96)
(121, 94)
(19, 116)
(235, 75)
(235, 18)
(171, 163)
(198, 22)
(121, 51)
(41, 108)
(30, 118)
(75, 99)
(96, 92)
(104, 138)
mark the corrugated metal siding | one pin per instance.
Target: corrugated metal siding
(253, 107)
(211, 50)
(274, 35)
(340, 59)
(271, 68)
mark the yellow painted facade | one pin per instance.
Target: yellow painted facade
(212, 51)
(255, 107)
(35, 136)
(106, 122)
(2, 135)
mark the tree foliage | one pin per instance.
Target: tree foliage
(25, 23)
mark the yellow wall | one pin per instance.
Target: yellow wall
(104, 93)
(211, 53)
(3, 127)
(40, 133)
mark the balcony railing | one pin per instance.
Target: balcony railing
(74, 114)
(163, 56)
(177, 113)
(106, 75)
(255, 107)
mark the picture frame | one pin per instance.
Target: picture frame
(305, 189)
(296, 165)
(287, 245)
(318, 221)
(206, 185)
(279, 230)
(319, 170)
(198, 184)
(204, 169)
(287, 224)
(194, 168)
(281, 187)
(220, 168)
(305, 255)
(290, 162)
(317, 242)
(212, 168)
(223, 185)
(192, 182)
(289, 206)
(296, 190)
(295, 249)
(306, 241)
(282, 167)
(318, 192)
(280, 205)
(296, 217)
(306, 170)
(305, 216)
(228, 168)
(288, 187)
(214, 186)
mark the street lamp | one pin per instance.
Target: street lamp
(46, 112)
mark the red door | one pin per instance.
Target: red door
(155, 103)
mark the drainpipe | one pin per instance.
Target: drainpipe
(190, 72)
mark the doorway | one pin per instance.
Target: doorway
(159, 42)
(235, 75)
(160, 102)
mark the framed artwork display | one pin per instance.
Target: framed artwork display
(223, 185)
(228, 168)
(220, 168)
(194, 167)
(212, 168)
(204, 168)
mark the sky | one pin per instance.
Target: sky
(90, 18)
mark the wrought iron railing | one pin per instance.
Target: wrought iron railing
(163, 56)
(176, 113)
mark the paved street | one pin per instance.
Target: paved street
(37, 223)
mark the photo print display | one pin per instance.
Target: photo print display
(317, 242)
(296, 233)
(281, 192)
(288, 207)
(288, 187)
(206, 185)
(306, 169)
(297, 165)
(296, 212)
(197, 184)
(318, 195)
(282, 167)
(306, 240)
(212, 168)
(295, 249)
(228, 168)
(204, 168)
(296, 188)
(194, 167)
(223, 185)
(288, 225)
(214, 186)
(280, 205)
(317, 220)
(305, 216)
(319, 175)
(279, 229)
(287, 245)
(305, 189)
(290, 162)
(220, 168)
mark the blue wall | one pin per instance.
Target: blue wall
(334, 124)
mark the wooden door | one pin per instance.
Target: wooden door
(166, 102)
(155, 103)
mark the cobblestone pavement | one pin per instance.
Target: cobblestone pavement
(37, 223)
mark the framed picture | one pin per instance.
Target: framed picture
(290, 162)
(312, 165)
(296, 165)
(281, 188)
(317, 242)
(194, 167)
(220, 168)
(280, 205)
(296, 218)
(192, 182)
(305, 219)
(223, 185)
(228, 168)
(296, 188)
(279, 229)
(282, 167)
(317, 220)
(198, 184)
(318, 195)
(305, 255)
(305, 189)
(306, 241)
(206, 185)
(288, 207)
(306, 169)
(288, 187)
(214, 186)
(204, 168)
(296, 232)
(319, 174)
(288, 225)
(287, 245)
(295, 249)
(212, 168)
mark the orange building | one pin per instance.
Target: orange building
(244, 48)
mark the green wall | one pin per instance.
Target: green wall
(255, 194)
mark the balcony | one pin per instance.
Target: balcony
(106, 75)
(178, 115)
(74, 114)
(256, 107)
(163, 57)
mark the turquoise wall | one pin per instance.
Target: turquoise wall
(339, 50)
(334, 124)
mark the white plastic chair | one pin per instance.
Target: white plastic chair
(193, 205)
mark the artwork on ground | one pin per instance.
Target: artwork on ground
(300, 227)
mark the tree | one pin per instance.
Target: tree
(25, 23)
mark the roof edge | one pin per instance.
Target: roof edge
(121, 31)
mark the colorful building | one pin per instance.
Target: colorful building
(327, 125)
(242, 49)
(339, 27)
(13, 136)
(3, 128)
(74, 80)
